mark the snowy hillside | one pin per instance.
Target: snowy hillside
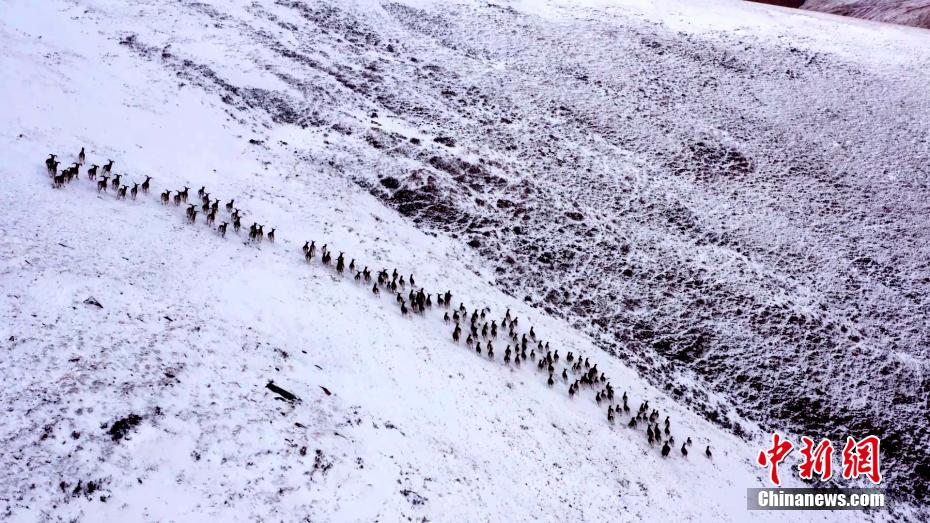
(674, 193)
(906, 12)
(915, 13)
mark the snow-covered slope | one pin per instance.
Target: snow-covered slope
(906, 12)
(914, 13)
(308, 115)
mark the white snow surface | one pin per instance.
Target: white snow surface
(193, 326)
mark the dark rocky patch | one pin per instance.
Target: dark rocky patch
(123, 426)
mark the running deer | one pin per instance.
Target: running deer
(211, 217)
(51, 164)
(121, 193)
(102, 184)
(116, 180)
(183, 194)
(201, 191)
(193, 216)
(165, 197)
(107, 167)
(92, 172)
(222, 229)
(270, 235)
(229, 206)
(145, 184)
(134, 191)
(81, 156)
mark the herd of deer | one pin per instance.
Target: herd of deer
(208, 208)
(578, 372)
